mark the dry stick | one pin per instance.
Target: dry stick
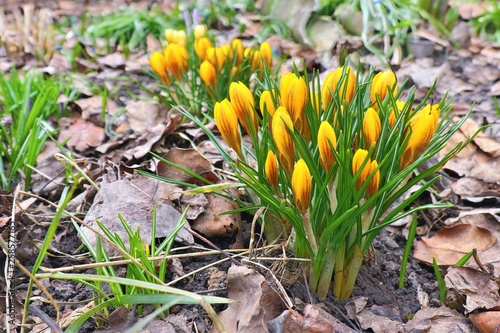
(197, 235)
(479, 262)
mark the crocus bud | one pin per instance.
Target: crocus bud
(271, 170)
(158, 64)
(371, 127)
(301, 186)
(267, 54)
(201, 46)
(243, 104)
(267, 103)
(360, 156)
(227, 123)
(382, 83)
(423, 125)
(345, 91)
(294, 94)
(327, 142)
(208, 73)
(169, 35)
(280, 127)
(199, 31)
(374, 182)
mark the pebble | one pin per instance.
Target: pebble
(390, 243)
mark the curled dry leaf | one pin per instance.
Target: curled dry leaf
(439, 320)
(450, 244)
(211, 224)
(479, 290)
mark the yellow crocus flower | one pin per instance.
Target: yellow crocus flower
(201, 45)
(271, 170)
(227, 123)
(374, 182)
(243, 104)
(216, 56)
(238, 50)
(301, 186)
(423, 125)
(267, 102)
(158, 64)
(357, 161)
(208, 73)
(327, 141)
(199, 31)
(267, 54)
(382, 84)
(280, 127)
(176, 57)
(371, 127)
(393, 115)
(346, 90)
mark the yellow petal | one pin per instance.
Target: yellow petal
(158, 64)
(227, 123)
(301, 186)
(326, 141)
(199, 31)
(201, 46)
(345, 91)
(423, 125)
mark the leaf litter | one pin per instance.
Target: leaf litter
(145, 126)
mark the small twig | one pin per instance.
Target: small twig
(309, 295)
(45, 318)
(478, 261)
(197, 235)
(347, 319)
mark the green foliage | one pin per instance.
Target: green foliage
(26, 104)
(487, 24)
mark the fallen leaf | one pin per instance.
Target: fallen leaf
(187, 158)
(133, 197)
(438, 320)
(92, 108)
(143, 115)
(211, 223)
(450, 244)
(478, 288)
(246, 313)
(81, 133)
(113, 60)
(486, 322)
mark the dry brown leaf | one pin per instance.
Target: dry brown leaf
(469, 187)
(439, 320)
(134, 197)
(83, 134)
(189, 159)
(113, 60)
(486, 322)
(471, 10)
(143, 115)
(450, 244)
(246, 313)
(478, 288)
